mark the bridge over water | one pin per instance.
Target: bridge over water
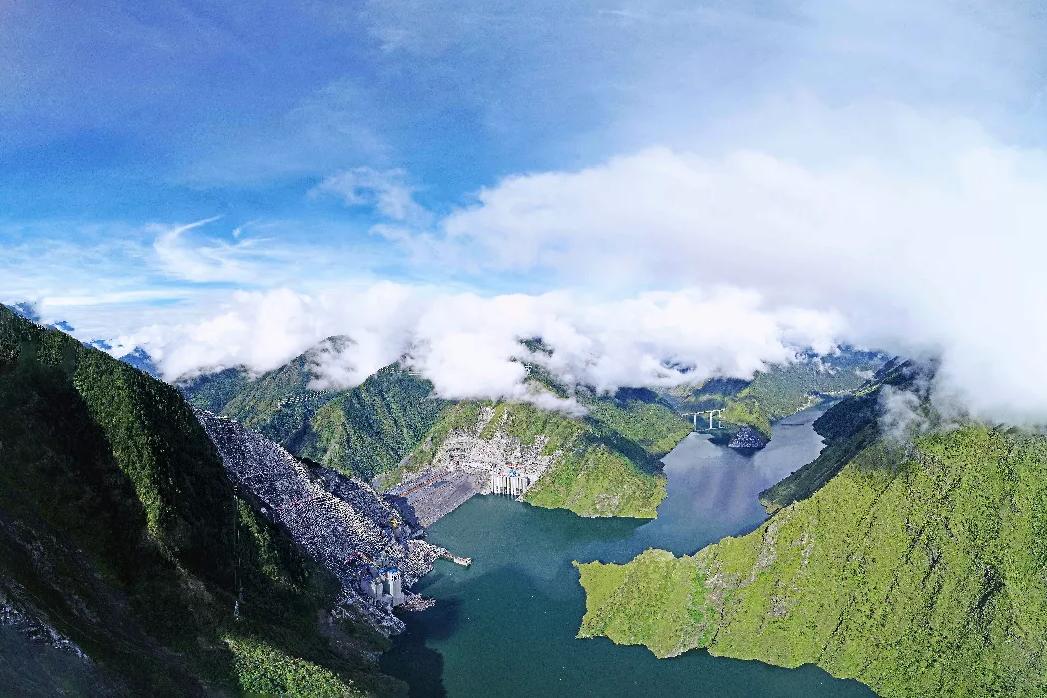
(713, 414)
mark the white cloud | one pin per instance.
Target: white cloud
(935, 245)
(206, 261)
(469, 345)
(386, 191)
(902, 415)
(915, 226)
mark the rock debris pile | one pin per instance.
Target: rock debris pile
(464, 463)
(341, 523)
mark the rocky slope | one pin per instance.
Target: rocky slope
(918, 570)
(123, 541)
(341, 523)
(602, 463)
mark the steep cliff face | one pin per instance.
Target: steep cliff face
(122, 539)
(919, 571)
(603, 463)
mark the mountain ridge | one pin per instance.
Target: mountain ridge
(122, 537)
(917, 569)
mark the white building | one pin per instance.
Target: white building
(510, 482)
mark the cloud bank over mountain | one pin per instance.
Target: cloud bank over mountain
(470, 345)
(660, 181)
(935, 246)
(932, 247)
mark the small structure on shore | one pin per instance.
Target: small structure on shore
(384, 586)
(456, 559)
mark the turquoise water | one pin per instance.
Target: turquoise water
(506, 626)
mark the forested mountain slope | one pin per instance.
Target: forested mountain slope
(122, 537)
(369, 429)
(847, 427)
(919, 570)
(606, 462)
(360, 431)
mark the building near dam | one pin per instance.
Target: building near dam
(383, 586)
(511, 482)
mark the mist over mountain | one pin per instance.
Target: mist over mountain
(294, 295)
(892, 202)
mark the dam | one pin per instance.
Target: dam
(522, 570)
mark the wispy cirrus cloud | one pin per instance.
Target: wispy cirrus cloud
(387, 192)
(208, 260)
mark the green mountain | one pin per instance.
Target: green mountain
(848, 427)
(280, 403)
(774, 394)
(369, 429)
(391, 425)
(917, 569)
(362, 431)
(213, 391)
(602, 463)
(124, 544)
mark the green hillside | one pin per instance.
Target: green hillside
(610, 462)
(369, 429)
(280, 403)
(609, 458)
(119, 529)
(848, 427)
(213, 391)
(361, 431)
(919, 571)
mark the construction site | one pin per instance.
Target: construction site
(467, 465)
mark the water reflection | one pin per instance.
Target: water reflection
(506, 627)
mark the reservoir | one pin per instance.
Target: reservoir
(506, 626)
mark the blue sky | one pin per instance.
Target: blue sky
(158, 158)
(133, 113)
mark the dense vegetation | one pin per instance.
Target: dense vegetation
(281, 402)
(361, 431)
(369, 429)
(609, 457)
(848, 427)
(119, 529)
(213, 391)
(918, 570)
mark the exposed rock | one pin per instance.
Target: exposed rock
(32, 627)
(342, 523)
(747, 437)
(463, 465)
